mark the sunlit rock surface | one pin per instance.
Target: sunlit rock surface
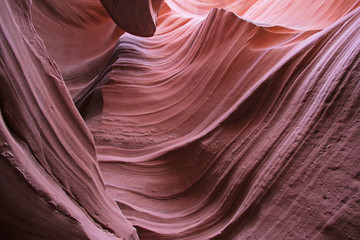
(235, 120)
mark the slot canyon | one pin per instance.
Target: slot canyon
(180, 119)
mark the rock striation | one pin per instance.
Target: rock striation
(234, 120)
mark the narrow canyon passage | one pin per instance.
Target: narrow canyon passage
(180, 119)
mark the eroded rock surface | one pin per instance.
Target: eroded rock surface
(235, 120)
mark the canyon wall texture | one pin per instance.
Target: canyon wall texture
(182, 119)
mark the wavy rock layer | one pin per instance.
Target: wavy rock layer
(219, 126)
(234, 123)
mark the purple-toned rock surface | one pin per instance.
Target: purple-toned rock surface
(235, 120)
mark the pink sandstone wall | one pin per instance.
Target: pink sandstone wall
(218, 120)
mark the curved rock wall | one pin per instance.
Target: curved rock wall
(51, 187)
(236, 120)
